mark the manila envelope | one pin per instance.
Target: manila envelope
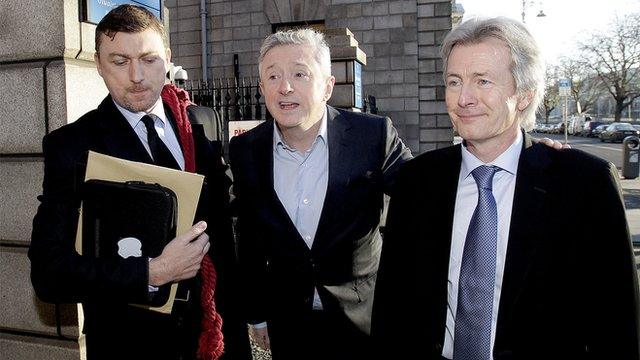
(185, 185)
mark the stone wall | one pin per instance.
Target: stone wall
(48, 79)
(434, 22)
(400, 39)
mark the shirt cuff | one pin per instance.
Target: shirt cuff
(152, 288)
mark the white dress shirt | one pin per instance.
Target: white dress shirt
(163, 128)
(504, 183)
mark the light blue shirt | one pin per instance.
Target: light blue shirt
(163, 128)
(300, 180)
(504, 185)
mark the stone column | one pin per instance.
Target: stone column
(48, 79)
(434, 22)
(347, 61)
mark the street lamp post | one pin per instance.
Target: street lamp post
(524, 6)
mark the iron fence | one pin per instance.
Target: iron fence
(239, 99)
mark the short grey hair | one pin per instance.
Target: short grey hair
(527, 65)
(308, 37)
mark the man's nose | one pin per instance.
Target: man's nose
(285, 87)
(467, 96)
(135, 72)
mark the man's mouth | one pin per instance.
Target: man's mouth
(137, 90)
(468, 116)
(285, 105)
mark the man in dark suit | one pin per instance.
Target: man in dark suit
(482, 258)
(135, 123)
(309, 189)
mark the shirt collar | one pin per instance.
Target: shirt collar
(322, 134)
(133, 118)
(507, 161)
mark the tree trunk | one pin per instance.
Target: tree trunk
(619, 108)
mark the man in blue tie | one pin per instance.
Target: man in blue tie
(486, 267)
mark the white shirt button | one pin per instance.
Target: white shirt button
(305, 201)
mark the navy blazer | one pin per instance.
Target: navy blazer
(568, 292)
(281, 271)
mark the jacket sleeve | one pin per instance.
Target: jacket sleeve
(395, 154)
(214, 208)
(251, 245)
(58, 273)
(611, 275)
(394, 311)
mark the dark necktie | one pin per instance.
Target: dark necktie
(159, 151)
(472, 339)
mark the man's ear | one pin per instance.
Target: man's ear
(525, 99)
(329, 88)
(96, 59)
(168, 55)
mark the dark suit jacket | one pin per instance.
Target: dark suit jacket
(569, 291)
(59, 274)
(364, 155)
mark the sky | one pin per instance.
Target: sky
(566, 21)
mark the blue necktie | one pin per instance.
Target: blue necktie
(472, 339)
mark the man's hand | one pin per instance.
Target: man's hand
(554, 144)
(181, 257)
(260, 336)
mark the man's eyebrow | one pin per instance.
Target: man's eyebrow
(475, 74)
(114, 54)
(127, 56)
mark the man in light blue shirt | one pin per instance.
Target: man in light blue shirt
(309, 189)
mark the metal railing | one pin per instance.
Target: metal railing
(239, 99)
(233, 99)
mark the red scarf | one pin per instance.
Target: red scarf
(210, 343)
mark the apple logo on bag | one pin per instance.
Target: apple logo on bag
(129, 246)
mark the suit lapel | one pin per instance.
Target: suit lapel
(119, 138)
(262, 155)
(262, 162)
(532, 184)
(340, 159)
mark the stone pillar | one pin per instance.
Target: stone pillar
(48, 79)
(347, 61)
(434, 22)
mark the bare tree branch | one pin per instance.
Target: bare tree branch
(615, 59)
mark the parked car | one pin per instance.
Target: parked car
(596, 132)
(617, 132)
(589, 126)
(558, 128)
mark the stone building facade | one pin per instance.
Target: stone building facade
(400, 38)
(47, 78)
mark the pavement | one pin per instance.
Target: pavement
(631, 194)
